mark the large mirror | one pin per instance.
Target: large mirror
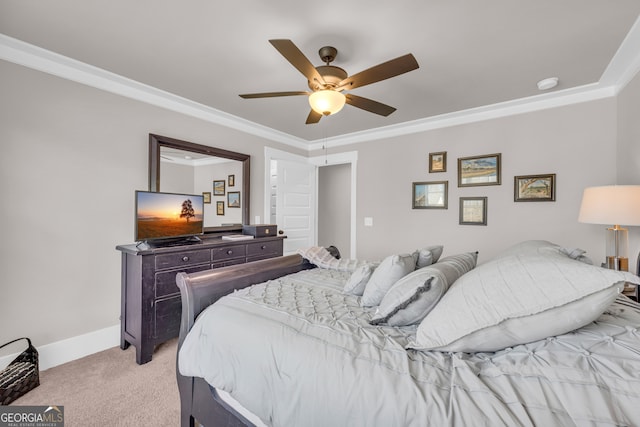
(177, 166)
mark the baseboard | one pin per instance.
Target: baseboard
(73, 348)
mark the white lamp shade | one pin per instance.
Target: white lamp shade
(327, 102)
(611, 204)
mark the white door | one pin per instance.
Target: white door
(296, 204)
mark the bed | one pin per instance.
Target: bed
(535, 336)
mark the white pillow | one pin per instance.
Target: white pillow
(413, 296)
(390, 270)
(358, 280)
(427, 256)
(529, 292)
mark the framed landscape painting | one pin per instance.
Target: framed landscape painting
(479, 170)
(233, 199)
(535, 188)
(438, 162)
(430, 195)
(218, 188)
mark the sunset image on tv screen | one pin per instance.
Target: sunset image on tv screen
(162, 215)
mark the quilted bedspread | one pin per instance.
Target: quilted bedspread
(296, 351)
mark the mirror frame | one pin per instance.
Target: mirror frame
(156, 142)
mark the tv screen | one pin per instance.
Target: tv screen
(168, 215)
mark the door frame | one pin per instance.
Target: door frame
(350, 157)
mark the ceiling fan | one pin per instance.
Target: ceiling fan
(327, 82)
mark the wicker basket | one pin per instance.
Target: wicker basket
(21, 375)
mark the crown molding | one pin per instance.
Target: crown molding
(624, 66)
(509, 108)
(37, 58)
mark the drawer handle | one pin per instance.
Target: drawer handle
(229, 252)
(263, 247)
(185, 258)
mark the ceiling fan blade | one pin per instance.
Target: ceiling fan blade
(379, 72)
(272, 94)
(313, 117)
(369, 105)
(291, 52)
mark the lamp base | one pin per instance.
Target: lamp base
(618, 263)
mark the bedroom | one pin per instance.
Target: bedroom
(67, 144)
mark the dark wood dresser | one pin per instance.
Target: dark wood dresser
(150, 301)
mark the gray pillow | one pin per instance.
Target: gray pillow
(358, 280)
(577, 254)
(390, 270)
(415, 295)
(427, 256)
(530, 292)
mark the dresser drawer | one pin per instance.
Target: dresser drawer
(258, 249)
(182, 258)
(228, 262)
(228, 253)
(166, 281)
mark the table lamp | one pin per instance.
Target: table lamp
(617, 205)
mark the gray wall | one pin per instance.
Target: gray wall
(72, 157)
(629, 150)
(334, 202)
(576, 142)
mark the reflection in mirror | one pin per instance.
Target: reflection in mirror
(182, 167)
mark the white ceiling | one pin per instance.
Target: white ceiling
(472, 54)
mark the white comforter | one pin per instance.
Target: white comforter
(296, 351)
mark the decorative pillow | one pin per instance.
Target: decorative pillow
(358, 280)
(531, 291)
(390, 270)
(323, 258)
(577, 254)
(413, 296)
(427, 256)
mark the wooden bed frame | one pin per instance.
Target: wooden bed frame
(198, 401)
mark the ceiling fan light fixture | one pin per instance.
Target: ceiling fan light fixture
(327, 102)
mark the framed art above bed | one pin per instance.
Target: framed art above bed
(473, 210)
(480, 170)
(430, 195)
(438, 162)
(534, 188)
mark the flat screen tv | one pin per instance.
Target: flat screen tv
(168, 216)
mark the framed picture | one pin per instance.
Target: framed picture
(534, 188)
(438, 162)
(430, 195)
(233, 199)
(473, 210)
(206, 196)
(218, 188)
(232, 180)
(220, 208)
(479, 170)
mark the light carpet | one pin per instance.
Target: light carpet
(109, 389)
